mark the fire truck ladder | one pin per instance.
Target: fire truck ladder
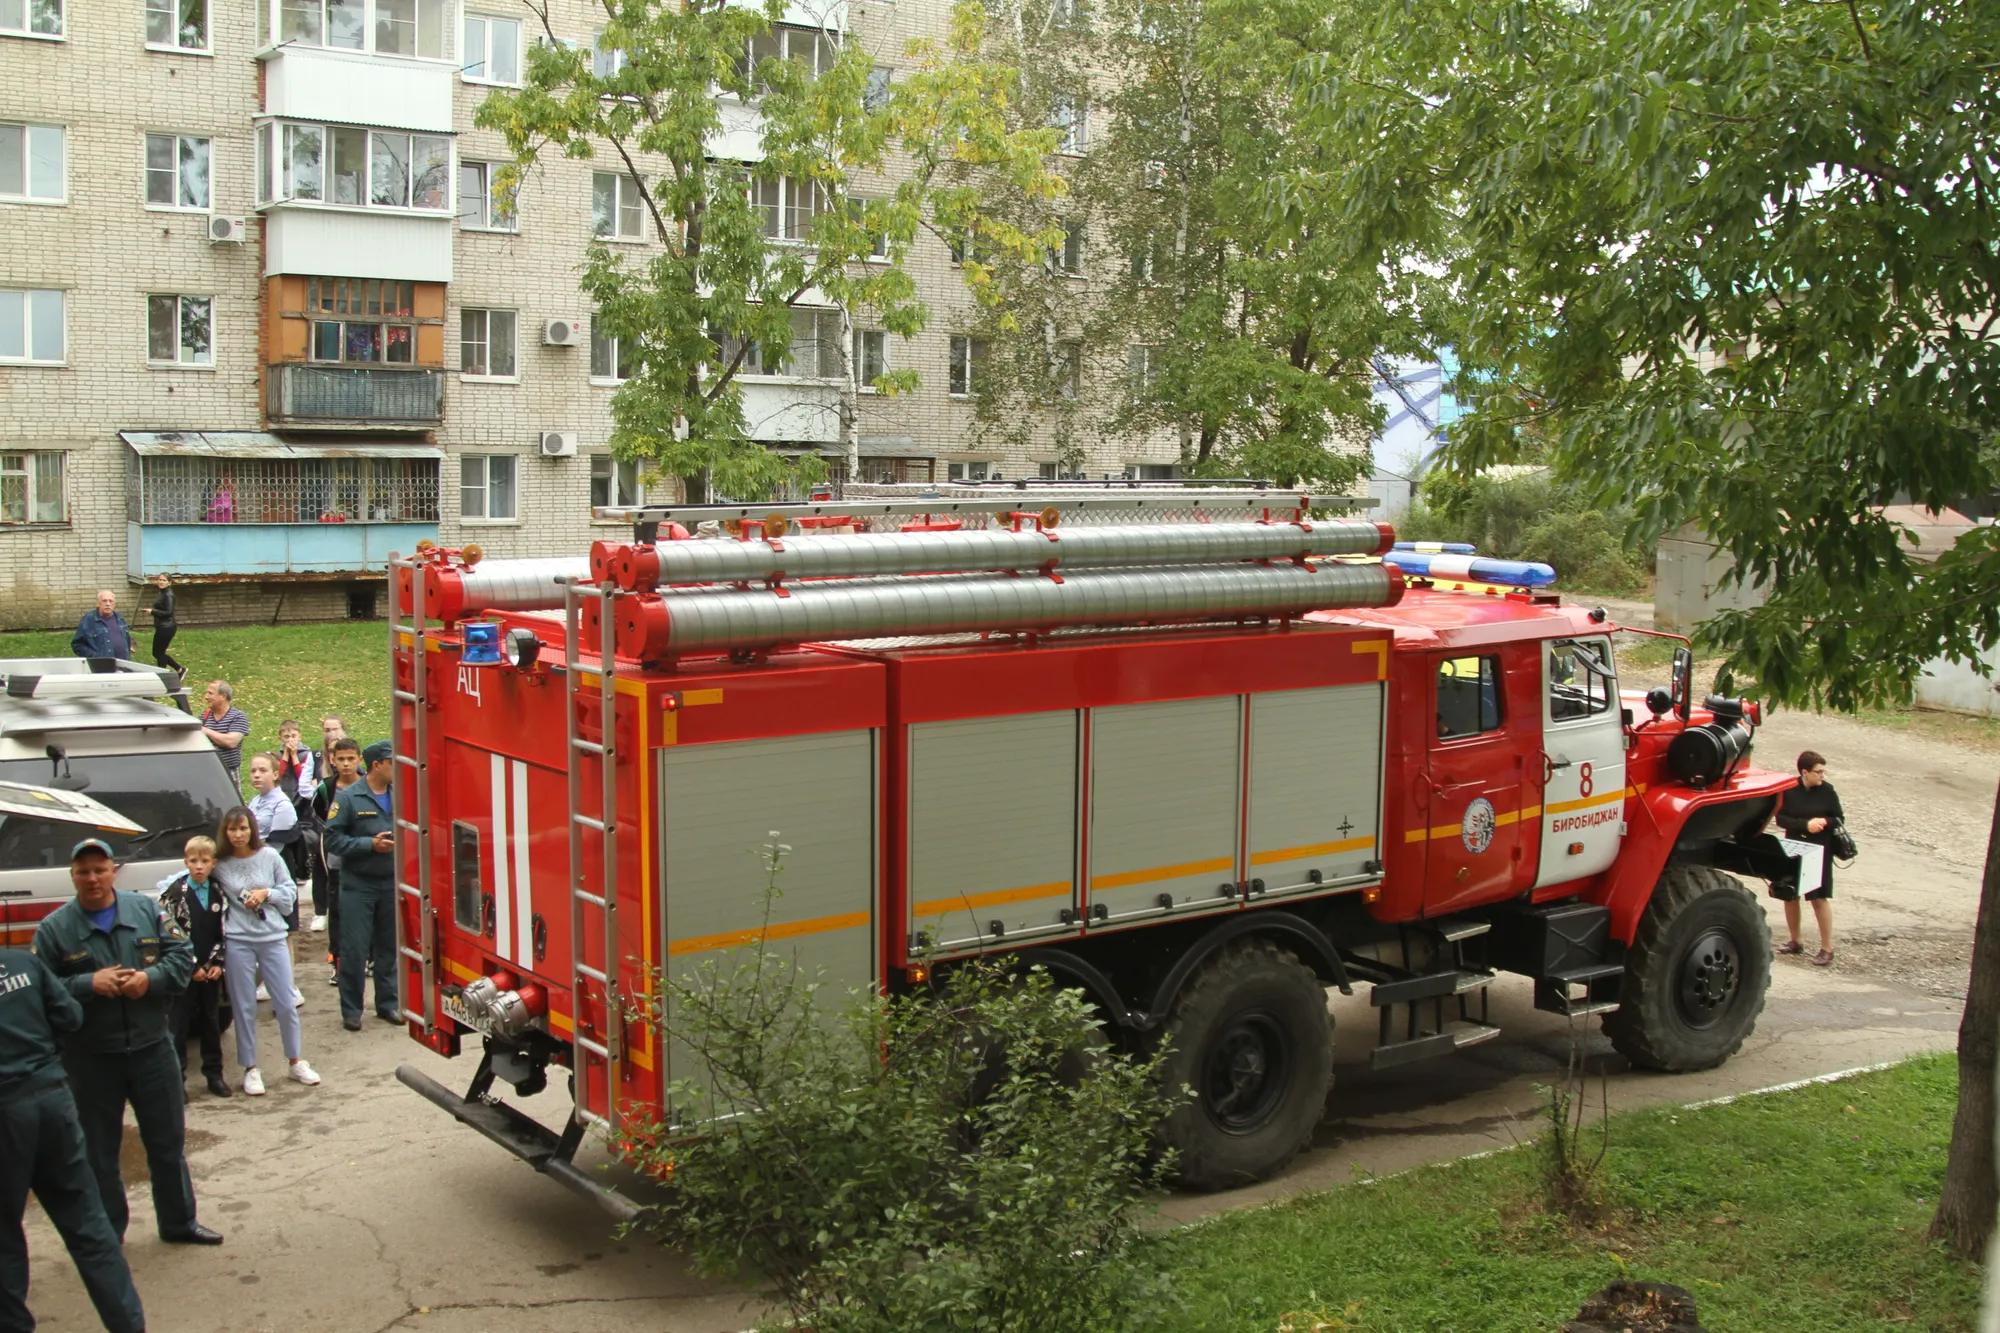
(417, 767)
(1423, 994)
(583, 900)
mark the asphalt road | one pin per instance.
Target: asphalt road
(359, 1206)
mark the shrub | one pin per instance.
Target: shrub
(1530, 517)
(944, 1160)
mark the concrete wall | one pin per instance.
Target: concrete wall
(1687, 574)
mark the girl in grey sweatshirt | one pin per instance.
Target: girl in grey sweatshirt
(259, 892)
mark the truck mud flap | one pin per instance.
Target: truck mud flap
(524, 1137)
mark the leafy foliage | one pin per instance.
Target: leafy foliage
(1736, 264)
(1531, 517)
(944, 1160)
(671, 97)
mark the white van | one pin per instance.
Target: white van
(99, 728)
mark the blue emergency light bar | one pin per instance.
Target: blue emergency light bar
(1478, 569)
(481, 644)
(1437, 548)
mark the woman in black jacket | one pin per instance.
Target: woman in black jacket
(164, 626)
(1808, 813)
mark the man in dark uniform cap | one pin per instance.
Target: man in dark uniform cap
(41, 1148)
(360, 830)
(120, 958)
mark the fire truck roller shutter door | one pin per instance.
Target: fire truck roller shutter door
(1166, 803)
(1315, 787)
(992, 828)
(719, 807)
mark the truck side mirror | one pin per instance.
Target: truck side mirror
(1683, 681)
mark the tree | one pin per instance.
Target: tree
(765, 173)
(1736, 263)
(1222, 305)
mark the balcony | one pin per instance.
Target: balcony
(243, 505)
(356, 242)
(356, 87)
(313, 397)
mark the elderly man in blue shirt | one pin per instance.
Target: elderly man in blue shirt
(102, 631)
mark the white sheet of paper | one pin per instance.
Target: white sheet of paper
(1812, 862)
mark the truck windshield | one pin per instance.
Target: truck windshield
(172, 796)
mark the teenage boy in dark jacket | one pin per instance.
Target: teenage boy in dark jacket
(196, 906)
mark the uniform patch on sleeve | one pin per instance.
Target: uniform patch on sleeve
(333, 810)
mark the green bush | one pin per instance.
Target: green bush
(883, 1168)
(1530, 517)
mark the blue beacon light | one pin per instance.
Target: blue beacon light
(481, 644)
(1478, 569)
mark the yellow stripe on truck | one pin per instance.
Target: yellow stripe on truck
(1127, 878)
(1277, 854)
(781, 930)
(969, 902)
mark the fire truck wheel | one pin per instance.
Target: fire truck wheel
(1251, 1035)
(1695, 981)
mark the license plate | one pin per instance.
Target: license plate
(454, 1009)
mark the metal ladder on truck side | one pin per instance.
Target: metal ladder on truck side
(417, 767)
(608, 1049)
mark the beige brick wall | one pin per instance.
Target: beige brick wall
(108, 251)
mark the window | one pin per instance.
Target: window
(606, 61)
(177, 25)
(1580, 679)
(1070, 118)
(1069, 12)
(482, 204)
(31, 163)
(1147, 260)
(789, 206)
(876, 95)
(1048, 471)
(614, 206)
(486, 486)
(31, 326)
(387, 27)
(611, 357)
(362, 320)
(492, 50)
(972, 471)
(615, 481)
(968, 365)
(368, 168)
(968, 246)
(486, 343)
(179, 331)
(177, 171)
(871, 356)
(813, 50)
(183, 489)
(1142, 368)
(878, 239)
(1071, 257)
(1066, 369)
(1154, 471)
(1468, 698)
(31, 489)
(31, 18)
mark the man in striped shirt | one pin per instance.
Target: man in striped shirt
(225, 726)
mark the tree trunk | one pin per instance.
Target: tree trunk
(1971, 1193)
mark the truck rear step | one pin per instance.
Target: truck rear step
(1601, 993)
(1428, 986)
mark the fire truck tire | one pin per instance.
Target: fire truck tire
(1250, 1033)
(1696, 976)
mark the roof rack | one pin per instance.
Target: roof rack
(954, 500)
(88, 678)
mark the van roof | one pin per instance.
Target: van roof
(27, 717)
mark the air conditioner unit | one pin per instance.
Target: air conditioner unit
(562, 333)
(228, 231)
(558, 444)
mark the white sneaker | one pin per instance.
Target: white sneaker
(303, 1073)
(262, 994)
(253, 1083)
(298, 998)
(333, 976)
(318, 924)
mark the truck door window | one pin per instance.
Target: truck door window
(465, 904)
(1580, 679)
(1468, 700)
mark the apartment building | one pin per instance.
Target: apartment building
(263, 320)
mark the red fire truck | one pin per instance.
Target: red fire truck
(1201, 770)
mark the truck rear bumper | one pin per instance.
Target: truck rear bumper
(524, 1137)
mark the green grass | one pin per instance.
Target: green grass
(1798, 1211)
(284, 671)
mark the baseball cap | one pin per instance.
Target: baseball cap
(89, 845)
(379, 751)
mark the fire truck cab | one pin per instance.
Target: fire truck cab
(1201, 771)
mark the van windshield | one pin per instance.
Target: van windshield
(171, 796)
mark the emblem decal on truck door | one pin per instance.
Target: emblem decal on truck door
(1476, 830)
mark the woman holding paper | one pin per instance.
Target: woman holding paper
(1808, 813)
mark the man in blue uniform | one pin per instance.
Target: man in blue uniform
(360, 830)
(41, 1148)
(121, 959)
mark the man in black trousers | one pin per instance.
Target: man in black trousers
(41, 1149)
(124, 962)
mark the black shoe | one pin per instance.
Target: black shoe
(196, 1234)
(397, 1019)
(351, 1024)
(218, 1085)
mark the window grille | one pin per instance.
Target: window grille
(171, 489)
